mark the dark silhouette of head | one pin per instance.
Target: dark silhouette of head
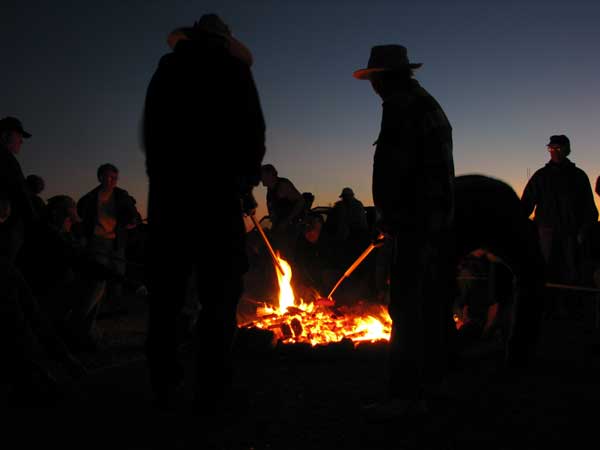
(108, 175)
(269, 175)
(35, 183)
(559, 147)
(388, 69)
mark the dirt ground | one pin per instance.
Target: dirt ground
(296, 398)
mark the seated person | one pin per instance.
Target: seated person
(486, 295)
(65, 277)
(27, 336)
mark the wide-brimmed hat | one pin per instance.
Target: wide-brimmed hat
(12, 123)
(386, 58)
(212, 24)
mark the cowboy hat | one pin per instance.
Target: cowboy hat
(386, 58)
(211, 24)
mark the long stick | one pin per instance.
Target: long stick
(355, 264)
(268, 244)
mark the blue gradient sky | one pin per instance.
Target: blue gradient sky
(509, 75)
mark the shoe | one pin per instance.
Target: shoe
(396, 408)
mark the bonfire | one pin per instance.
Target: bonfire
(319, 322)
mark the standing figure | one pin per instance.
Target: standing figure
(562, 197)
(13, 190)
(286, 207)
(107, 213)
(202, 113)
(413, 190)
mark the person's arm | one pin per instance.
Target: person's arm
(289, 191)
(529, 199)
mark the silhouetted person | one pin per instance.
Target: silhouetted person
(486, 294)
(286, 207)
(13, 188)
(489, 216)
(202, 112)
(413, 189)
(36, 186)
(24, 330)
(562, 197)
(349, 228)
(309, 199)
(107, 213)
(313, 271)
(565, 212)
(65, 276)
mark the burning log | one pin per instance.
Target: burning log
(286, 330)
(296, 327)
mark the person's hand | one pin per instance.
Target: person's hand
(249, 204)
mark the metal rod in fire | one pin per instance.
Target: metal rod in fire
(267, 243)
(377, 243)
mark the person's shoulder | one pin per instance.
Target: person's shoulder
(88, 196)
(541, 171)
(121, 192)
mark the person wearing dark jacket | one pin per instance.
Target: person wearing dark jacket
(65, 275)
(107, 213)
(413, 191)
(202, 112)
(562, 197)
(13, 189)
(36, 185)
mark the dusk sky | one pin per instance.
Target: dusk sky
(508, 74)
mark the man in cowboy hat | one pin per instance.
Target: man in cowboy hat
(13, 190)
(202, 112)
(413, 191)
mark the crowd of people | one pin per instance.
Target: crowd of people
(60, 260)
(63, 259)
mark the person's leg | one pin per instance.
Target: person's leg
(215, 330)
(406, 341)
(80, 323)
(168, 272)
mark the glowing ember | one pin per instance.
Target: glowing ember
(299, 322)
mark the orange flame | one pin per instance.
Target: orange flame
(299, 322)
(286, 293)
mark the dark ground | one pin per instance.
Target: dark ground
(298, 399)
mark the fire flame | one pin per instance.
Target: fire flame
(319, 322)
(286, 293)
